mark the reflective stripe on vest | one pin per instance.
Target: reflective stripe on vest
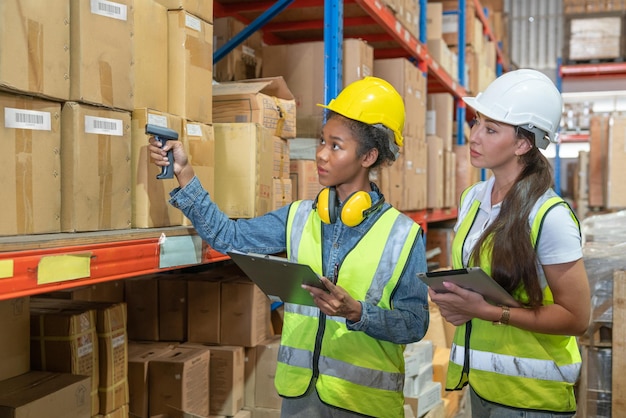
(370, 382)
(503, 359)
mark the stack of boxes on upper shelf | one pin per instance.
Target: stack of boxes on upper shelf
(80, 80)
(594, 31)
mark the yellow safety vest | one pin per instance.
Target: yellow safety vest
(505, 364)
(351, 370)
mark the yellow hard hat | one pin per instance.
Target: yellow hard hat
(371, 100)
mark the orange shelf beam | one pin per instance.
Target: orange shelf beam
(108, 261)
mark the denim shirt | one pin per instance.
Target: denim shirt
(408, 320)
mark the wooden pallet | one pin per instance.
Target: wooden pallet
(601, 338)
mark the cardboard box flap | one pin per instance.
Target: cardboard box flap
(271, 86)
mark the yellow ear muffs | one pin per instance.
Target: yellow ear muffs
(355, 208)
(326, 205)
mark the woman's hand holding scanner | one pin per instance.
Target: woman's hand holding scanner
(170, 156)
(162, 135)
(335, 301)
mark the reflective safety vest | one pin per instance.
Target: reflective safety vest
(505, 364)
(351, 370)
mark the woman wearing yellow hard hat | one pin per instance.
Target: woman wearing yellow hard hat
(343, 357)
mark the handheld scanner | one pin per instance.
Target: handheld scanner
(162, 135)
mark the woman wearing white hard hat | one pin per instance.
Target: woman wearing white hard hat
(518, 360)
(343, 357)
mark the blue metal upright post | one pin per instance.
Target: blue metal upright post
(460, 108)
(333, 48)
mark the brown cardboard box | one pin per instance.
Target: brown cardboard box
(111, 291)
(200, 141)
(201, 8)
(150, 72)
(179, 379)
(440, 117)
(616, 161)
(282, 193)
(45, 395)
(95, 162)
(245, 313)
(31, 136)
(244, 162)
(150, 196)
(139, 356)
(434, 20)
(227, 371)
(34, 48)
(450, 198)
(244, 61)
(267, 101)
(441, 238)
(172, 308)
(64, 340)
(450, 21)
(203, 310)
(299, 64)
(190, 69)
(101, 53)
(435, 172)
(408, 80)
(597, 36)
(304, 179)
(112, 347)
(265, 394)
(15, 351)
(142, 300)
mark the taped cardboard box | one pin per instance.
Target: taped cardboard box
(201, 8)
(34, 48)
(267, 101)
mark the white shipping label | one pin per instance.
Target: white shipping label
(158, 120)
(103, 126)
(109, 9)
(193, 23)
(193, 129)
(27, 119)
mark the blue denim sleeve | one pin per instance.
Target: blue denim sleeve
(264, 234)
(408, 320)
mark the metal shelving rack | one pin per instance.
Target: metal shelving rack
(36, 264)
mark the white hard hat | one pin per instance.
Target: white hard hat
(525, 98)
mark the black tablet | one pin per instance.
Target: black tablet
(279, 278)
(471, 278)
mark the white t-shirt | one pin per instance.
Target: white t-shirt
(559, 239)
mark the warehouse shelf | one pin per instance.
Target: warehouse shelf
(605, 70)
(33, 264)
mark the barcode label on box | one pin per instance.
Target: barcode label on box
(103, 126)
(27, 119)
(109, 9)
(193, 129)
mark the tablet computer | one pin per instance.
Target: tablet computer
(471, 278)
(279, 278)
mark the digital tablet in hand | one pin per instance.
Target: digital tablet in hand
(471, 278)
(279, 278)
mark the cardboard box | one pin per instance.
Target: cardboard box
(34, 48)
(227, 371)
(140, 354)
(64, 339)
(282, 193)
(95, 160)
(408, 80)
(244, 166)
(201, 8)
(304, 179)
(150, 73)
(111, 291)
(203, 311)
(616, 161)
(101, 53)
(265, 394)
(142, 303)
(15, 351)
(31, 132)
(244, 61)
(597, 36)
(179, 379)
(299, 64)
(267, 101)
(172, 308)
(190, 69)
(434, 20)
(435, 172)
(45, 395)
(244, 314)
(440, 117)
(150, 196)
(200, 141)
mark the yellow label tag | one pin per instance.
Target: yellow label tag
(6, 269)
(60, 268)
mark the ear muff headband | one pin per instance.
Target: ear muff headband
(357, 207)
